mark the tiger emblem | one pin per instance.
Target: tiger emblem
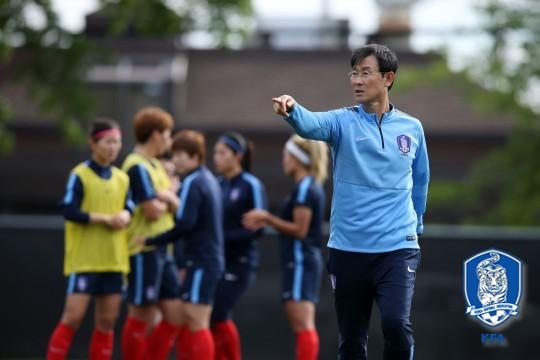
(492, 284)
(492, 281)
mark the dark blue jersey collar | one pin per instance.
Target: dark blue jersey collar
(103, 172)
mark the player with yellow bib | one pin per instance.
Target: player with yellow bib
(97, 209)
(153, 281)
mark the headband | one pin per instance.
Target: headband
(297, 152)
(102, 133)
(232, 143)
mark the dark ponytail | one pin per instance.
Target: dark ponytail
(239, 144)
(247, 157)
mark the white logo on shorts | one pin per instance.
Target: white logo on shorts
(82, 283)
(150, 293)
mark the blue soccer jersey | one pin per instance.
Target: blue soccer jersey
(307, 193)
(241, 194)
(198, 221)
(301, 258)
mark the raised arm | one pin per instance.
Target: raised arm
(321, 126)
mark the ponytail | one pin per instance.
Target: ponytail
(247, 156)
(318, 154)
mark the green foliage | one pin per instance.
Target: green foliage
(52, 62)
(142, 16)
(515, 30)
(509, 179)
(503, 188)
(436, 74)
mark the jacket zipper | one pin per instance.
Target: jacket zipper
(379, 124)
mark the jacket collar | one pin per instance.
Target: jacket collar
(372, 116)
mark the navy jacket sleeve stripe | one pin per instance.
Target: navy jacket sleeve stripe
(303, 189)
(186, 185)
(68, 197)
(257, 189)
(73, 199)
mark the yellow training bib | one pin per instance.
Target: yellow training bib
(140, 225)
(96, 247)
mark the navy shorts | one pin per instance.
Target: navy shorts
(153, 277)
(95, 283)
(200, 284)
(238, 277)
(301, 277)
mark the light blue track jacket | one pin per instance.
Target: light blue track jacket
(381, 176)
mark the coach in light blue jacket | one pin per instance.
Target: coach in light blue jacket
(381, 175)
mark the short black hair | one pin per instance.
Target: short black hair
(386, 58)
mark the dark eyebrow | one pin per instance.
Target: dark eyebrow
(365, 67)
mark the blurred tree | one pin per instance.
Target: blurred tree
(504, 188)
(51, 62)
(510, 178)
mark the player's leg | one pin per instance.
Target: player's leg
(301, 316)
(395, 275)
(237, 279)
(303, 283)
(198, 293)
(107, 308)
(353, 300)
(143, 287)
(163, 336)
(201, 343)
(72, 316)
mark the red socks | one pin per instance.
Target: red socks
(202, 345)
(60, 342)
(133, 339)
(182, 344)
(195, 345)
(101, 346)
(227, 341)
(161, 341)
(307, 345)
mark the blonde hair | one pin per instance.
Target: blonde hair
(318, 154)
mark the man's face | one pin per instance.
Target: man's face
(367, 82)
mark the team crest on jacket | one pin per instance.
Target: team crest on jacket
(492, 285)
(404, 144)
